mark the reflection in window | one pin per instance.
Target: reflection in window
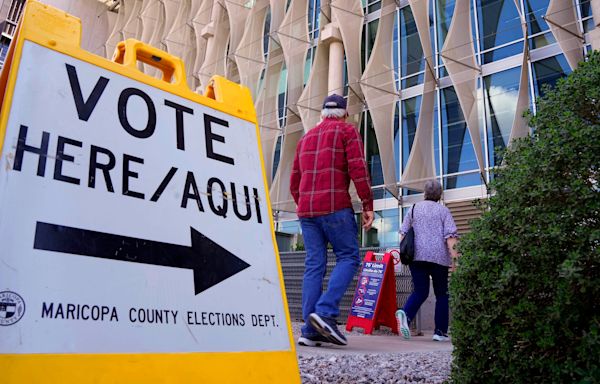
(410, 118)
(501, 92)
(445, 10)
(458, 152)
(436, 138)
(346, 84)
(397, 141)
(371, 5)
(548, 71)
(310, 58)
(289, 236)
(277, 155)
(586, 15)
(4, 45)
(371, 35)
(384, 231)
(373, 157)
(292, 227)
(282, 96)
(266, 31)
(536, 25)
(314, 11)
(395, 45)
(462, 180)
(411, 51)
(499, 24)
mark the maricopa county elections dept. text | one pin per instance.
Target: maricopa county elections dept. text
(103, 162)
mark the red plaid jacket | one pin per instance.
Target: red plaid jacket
(327, 157)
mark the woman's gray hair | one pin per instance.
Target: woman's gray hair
(433, 190)
(337, 113)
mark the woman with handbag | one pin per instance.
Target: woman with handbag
(435, 236)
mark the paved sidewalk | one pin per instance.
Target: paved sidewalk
(377, 344)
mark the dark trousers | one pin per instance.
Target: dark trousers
(421, 271)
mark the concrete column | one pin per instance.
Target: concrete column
(331, 35)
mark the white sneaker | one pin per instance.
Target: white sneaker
(437, 337)
(312, 341)
(402, 322)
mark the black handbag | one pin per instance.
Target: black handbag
(407, 245)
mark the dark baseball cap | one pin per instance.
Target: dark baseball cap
(334, 102)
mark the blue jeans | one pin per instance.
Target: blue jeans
(338, 228)
(420, 272)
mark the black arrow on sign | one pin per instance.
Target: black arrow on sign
(210, 262)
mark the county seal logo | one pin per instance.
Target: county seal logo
(12, 308)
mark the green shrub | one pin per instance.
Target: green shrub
(526, 296)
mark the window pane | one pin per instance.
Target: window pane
(277, 156)
(373, 157)
(445, 10)
(501, 91)
(314, 11)
(410, 49)
(436, 138)
(308, 64)
(504, 52)
(548, 71)
(586, 15)
(384, 231)
(375, 7)
(396, 45)
(345, 91)
(461, 181)
(410, 118)
(371, 35)
(535, 10)
(499, 24)
(458, 150)
(281, 99)
(397, 140)
(292, 227)
(266, 31)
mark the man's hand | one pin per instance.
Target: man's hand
(367, 219)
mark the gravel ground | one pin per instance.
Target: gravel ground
(422, 367)
(412, 367)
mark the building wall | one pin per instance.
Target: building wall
(435, 87)
(10, 13)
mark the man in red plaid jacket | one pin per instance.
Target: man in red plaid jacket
(327, 158)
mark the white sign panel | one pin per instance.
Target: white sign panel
(132, 220)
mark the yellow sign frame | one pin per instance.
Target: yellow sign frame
(61, 32)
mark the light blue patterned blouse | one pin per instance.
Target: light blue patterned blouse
(433, 224)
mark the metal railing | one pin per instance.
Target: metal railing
(292, 265)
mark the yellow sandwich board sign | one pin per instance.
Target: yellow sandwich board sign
(136, 239)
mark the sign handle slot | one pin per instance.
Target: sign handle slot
(130, 51)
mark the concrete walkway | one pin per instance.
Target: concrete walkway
(377, 344)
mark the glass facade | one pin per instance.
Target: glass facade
(548, 71)
(500, 93)
(499, 29)
(498, 43)
(458, 153)
(412, 60)
(384, 231)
